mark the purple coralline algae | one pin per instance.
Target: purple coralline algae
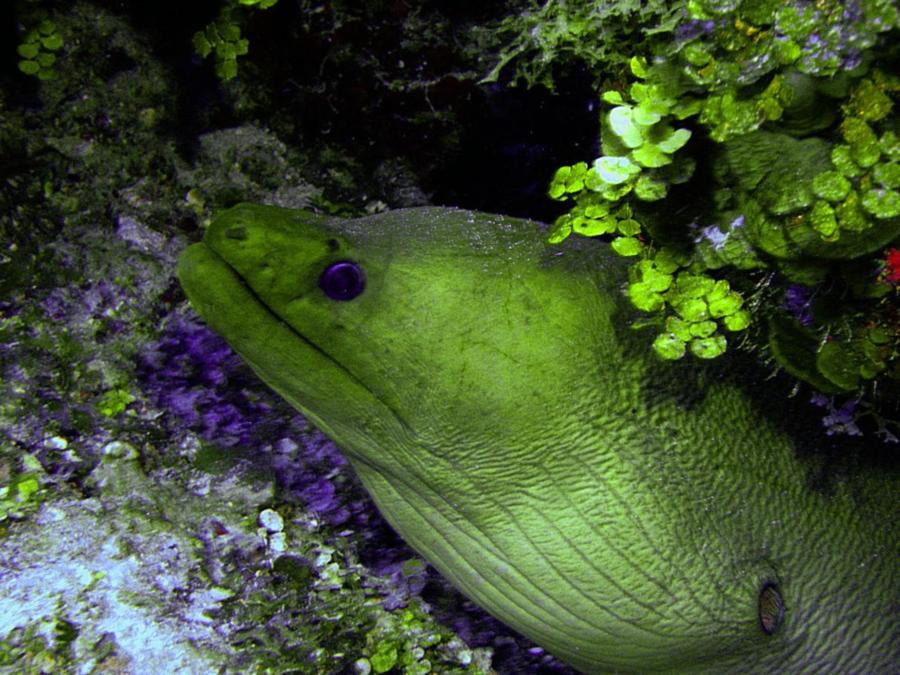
(204, 387)
(797, 302)
(186, 373)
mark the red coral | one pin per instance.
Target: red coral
(892, 266)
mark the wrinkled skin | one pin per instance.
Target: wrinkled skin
(626, 515)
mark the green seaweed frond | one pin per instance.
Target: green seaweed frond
(774, 116)
(38, 50)
(223, 39)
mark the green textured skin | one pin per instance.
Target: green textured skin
(622, 513)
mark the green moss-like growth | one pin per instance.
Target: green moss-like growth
(640, 146)
(41, 647)
(798, 172)
(550, 36)
(20, 489)
(353, 629)
(701, 307)
(222, 37)
(817, 197)
(38, 50)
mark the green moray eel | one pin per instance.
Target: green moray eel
(626, 515)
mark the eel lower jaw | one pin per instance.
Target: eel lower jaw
(302, 372)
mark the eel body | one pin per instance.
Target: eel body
(625, 514)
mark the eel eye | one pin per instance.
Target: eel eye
(343, 280)
(771, 608)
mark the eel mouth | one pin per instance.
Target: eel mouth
(200, 264)
(288, 361)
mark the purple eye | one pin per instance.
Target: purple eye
(343, 280)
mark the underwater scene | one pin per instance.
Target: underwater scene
(493, 337)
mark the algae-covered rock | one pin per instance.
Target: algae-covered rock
(799, 204)
(778, 168)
